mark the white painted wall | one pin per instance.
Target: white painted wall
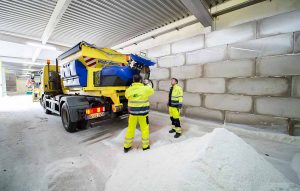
(21, 86)
(10, 83)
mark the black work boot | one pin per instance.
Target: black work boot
(177, 135)
(146, 148)
(126, 149)
(172, 131)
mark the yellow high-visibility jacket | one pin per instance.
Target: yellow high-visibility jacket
(176, 96)
(138, 98)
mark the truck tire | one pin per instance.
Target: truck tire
(44, 106)
(66, 120)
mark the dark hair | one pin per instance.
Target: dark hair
(137, 78)
(175, 80)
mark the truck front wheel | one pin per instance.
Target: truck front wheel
(66, 120)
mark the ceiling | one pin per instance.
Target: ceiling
(104, 23)
(28, 17)
(64, 23)
(101, 22)
(107, 23)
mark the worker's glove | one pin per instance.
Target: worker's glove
(179, 106)
(146, 82)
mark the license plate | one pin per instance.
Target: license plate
(95, 115)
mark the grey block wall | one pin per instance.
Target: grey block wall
(246, 74)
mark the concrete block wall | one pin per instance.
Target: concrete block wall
(246, 74)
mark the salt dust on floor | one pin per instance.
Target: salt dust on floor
(74, 174)
(38, 154)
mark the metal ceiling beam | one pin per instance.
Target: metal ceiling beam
(236, 7)
(7, 59)
(20, 69)
(197, 8)
(173, 26)
(60, 8)
(24, 39)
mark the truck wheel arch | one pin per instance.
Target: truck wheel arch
(75, 104)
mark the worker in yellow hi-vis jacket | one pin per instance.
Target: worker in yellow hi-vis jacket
(175, 104)
(138, 106)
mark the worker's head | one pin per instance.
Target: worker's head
(174, 81)
(137, 78)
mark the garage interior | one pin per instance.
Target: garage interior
(237, 61)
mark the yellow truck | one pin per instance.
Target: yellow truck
(88, 84)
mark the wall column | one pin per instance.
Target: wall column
(2, 81)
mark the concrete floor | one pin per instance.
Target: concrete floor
(31, 142)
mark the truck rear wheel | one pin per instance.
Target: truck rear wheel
(66, 120)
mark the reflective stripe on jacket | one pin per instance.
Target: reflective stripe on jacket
(138, 98)
(176, 97)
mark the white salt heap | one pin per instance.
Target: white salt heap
(217, 161)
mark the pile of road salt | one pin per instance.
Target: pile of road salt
(216, 161)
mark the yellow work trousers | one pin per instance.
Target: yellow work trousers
(175, 117)
(144, 126)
